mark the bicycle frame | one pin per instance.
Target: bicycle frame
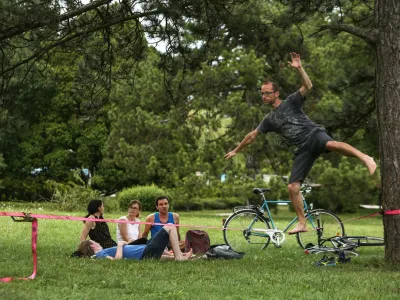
(316, 218)
(265, 208)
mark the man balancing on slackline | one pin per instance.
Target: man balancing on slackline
(288, 120)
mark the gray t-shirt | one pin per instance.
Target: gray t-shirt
(289, 121)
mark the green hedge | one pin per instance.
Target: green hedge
(188, 204)
(71, 196)
(344, 187)
(223, 203)
(111, 204)
(145, 194)
(209, 203)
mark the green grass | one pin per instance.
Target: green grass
(275, 273)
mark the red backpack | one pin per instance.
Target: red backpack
(197, 240)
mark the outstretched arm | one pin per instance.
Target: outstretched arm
(248, 139)
(296, 63)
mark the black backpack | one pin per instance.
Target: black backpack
(223, 251)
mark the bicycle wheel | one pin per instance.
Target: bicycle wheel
(365, 240)
(329, 226)
(246, 230)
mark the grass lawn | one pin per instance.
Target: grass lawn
(275, 273)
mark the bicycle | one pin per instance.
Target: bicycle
(247, 228)
(345, 244)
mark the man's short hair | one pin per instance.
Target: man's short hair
(161, 198)
(275, 87)
(85, 248)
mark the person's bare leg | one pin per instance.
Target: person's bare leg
(174, 241)
(297, 202)
(348, 150)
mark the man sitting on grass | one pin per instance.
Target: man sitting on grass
(154, 249)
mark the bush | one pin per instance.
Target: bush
(223, 203)
(343, 188)
(209, 203)
(70, 196)
(111, 204)
(208, 192)
(146, 195)
(188, 204)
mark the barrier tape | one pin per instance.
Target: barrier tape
(70, 218)
(33, 218)
(34, 221)
(382, 212)
(29, 217)
(392, 212)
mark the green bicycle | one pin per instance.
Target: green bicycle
(248, 228)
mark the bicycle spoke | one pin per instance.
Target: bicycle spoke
(246, 230)
(321, 225)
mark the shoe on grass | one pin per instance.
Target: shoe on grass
(322, 262)
(326, 262)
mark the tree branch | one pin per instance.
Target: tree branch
(39, 53)
(14, 31)
(370, 36)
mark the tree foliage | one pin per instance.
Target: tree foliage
(84, 87)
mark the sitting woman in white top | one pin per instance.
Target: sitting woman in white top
(129, 232)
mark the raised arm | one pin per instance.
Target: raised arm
(148, 226)
(248, 139)
(296, 63)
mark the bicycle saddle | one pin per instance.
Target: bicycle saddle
(261, 190)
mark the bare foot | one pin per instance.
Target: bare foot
(185, 256)
(298, 228)
(370, 163)
(188, 254)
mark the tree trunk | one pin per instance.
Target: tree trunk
(387, 96)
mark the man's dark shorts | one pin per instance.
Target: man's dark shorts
(156, 246)
(307, 154)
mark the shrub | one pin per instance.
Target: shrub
(223, 203)
(70, 196)
(208, 192)
(188, 204)
(146, 195)
(111, 204)
(343, 188)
